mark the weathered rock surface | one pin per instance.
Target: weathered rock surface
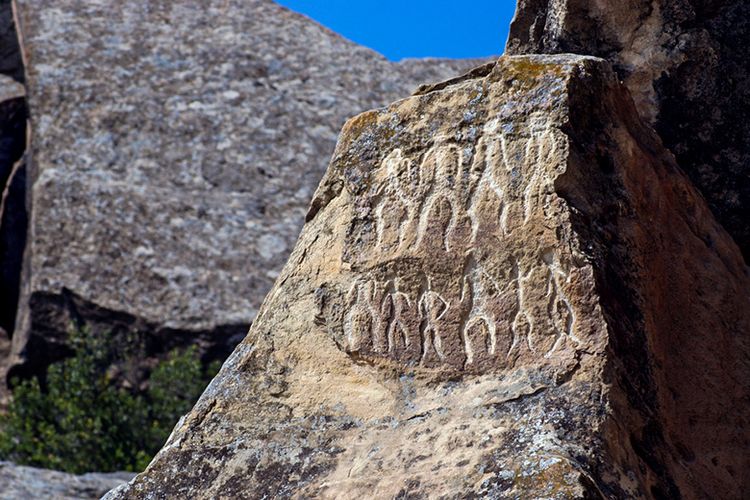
(175, 150)
(18, 482)
(685, 63)
(505, 288)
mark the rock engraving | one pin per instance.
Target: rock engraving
(476, 302)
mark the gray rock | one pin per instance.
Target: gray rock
(18, 482)
(686, 65)
(11, 63)
(175, 150)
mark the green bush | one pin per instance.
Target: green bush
(82, 421)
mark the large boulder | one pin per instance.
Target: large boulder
(175, 149)
(686, 65)
(17, 482)
(505, 288)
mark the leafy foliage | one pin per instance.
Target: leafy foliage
(80, 420)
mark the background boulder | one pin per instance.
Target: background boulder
(175, 150)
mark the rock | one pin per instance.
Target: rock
(11, 63)
(27, 482)
(505, 288)
(12, 127)
(175, 150)
(686, 64)
(13, 221)
(4, 354)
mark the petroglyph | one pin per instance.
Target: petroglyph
(559, 307)
(449, 196)
(482, 325)
(472, 300)
(404, 339)
(368, 316)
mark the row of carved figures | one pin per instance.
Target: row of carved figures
(452, 194)
(479, 323)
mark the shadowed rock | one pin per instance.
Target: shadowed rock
(685, 63)
(13, 221)
(11, 63)
(505, 288)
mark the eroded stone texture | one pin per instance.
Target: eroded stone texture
(685, 63)
(28, 482)
(175, 149)
(506, 289)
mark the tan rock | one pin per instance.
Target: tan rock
(505, 288)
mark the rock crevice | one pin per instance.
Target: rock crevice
(13, 186)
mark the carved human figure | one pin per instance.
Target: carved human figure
(492, 307)
(443, 343)
(439, 166)
(410, 188)
(559, 307)
(540, 150)
(478, 340)
(437, 223)
(391, 215)
(515, 165)
(432, 309)
(523, 324)
(398, 200)
(366, 322)
(403, 331)
(487, 204)
(358, 320)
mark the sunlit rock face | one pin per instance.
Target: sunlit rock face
(685, 63)
(175, 149)
(505, 288)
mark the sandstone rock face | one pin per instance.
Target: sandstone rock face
(175, 150)
(505, 288)
(28, 482)
(685, 63)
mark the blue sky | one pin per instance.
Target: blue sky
(416, 28)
